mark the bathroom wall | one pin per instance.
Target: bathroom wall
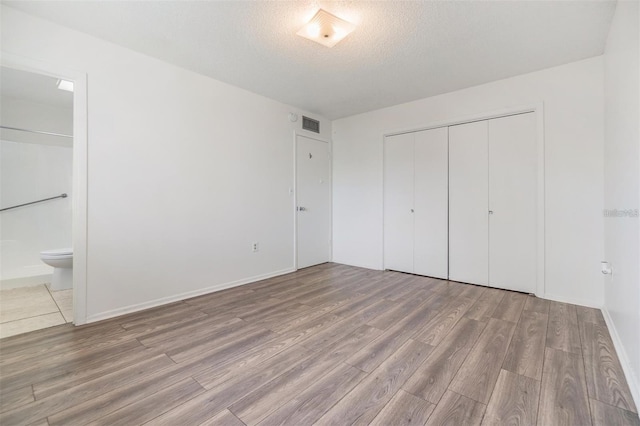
(184, 172)
(33, 167)
(29, 114)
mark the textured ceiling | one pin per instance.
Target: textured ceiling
(400, 50)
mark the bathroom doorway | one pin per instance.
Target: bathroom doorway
(42, 196)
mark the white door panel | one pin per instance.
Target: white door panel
(468, 203)
(431, 244)
(313, 198)
(398, 202)
(512, 200)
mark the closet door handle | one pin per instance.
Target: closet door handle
(490, 211)
(411, 210)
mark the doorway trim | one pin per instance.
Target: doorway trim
(538, 109)
(80, 161)
(294, 190)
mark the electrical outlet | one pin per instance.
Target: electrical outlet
(255, 247)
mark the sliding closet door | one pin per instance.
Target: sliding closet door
(431, 243)
(468, 203)
(512, 200)
(398, 202)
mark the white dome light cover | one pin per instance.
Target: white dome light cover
(326, 29)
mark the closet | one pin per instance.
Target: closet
(415, 203)
(460, 202)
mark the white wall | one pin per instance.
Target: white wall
(184, 172)
(622, 187)
(573, 122)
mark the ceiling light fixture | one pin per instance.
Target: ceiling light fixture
(65, 85)
(326, 29)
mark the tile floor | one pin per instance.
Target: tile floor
(32, 308)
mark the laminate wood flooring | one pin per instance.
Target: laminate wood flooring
(327, 345)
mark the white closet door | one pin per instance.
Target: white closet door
(431, 243)
(398, 202)
(512, 199)
(468, 203)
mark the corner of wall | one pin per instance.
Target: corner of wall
(632, 376)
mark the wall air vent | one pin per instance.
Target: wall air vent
(310, 124)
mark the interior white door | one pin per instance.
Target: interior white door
(313, 199)
(398, 202)
(512, 202)
(431, 196)
(468, 203)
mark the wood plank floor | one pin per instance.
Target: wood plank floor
(327, 345)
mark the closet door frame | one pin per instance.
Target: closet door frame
(538, 109)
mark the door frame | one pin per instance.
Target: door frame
(79, 173)
(538, 109)
(294, 190)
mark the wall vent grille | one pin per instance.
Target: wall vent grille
(310, 124)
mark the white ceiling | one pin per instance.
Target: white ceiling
(400, 50)
(32, 87)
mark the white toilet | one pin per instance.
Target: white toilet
(62, 262)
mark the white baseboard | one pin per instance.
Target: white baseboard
(358, 265)
(573, 301)
(630, 375)
(182, 296)
(25, 281)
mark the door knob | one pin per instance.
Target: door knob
(411, 210)
(302, 209)
(490, 211)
